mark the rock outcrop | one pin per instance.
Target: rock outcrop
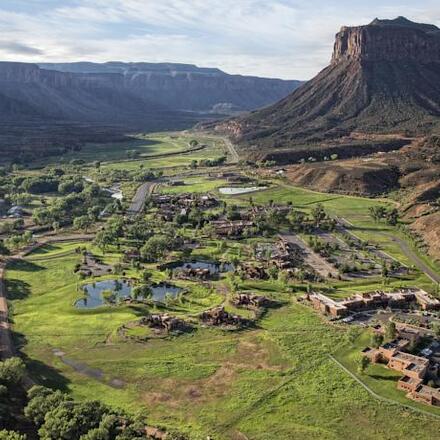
(385, 40)
(384, 78)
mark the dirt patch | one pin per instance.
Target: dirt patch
(250, 355)
(428, 227)
(358, 176)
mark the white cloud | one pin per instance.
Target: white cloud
(280, 38)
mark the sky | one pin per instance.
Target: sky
(289, 39)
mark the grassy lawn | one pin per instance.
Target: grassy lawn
(272, 381)
(275, 379)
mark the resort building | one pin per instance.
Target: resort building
(373, 300)
(415, 369)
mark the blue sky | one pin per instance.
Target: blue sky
(275, 38)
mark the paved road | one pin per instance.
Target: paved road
(138, 202)
(411, 255)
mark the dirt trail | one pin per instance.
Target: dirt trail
(231, 149)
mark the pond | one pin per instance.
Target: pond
(231, 191)
(214, 268)
(98, 294)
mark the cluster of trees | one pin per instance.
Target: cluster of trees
(301, 222)
(11, 373)
(88, 202)
(40, 184)
(155, 248)
(379, 213)
(325, 249)
(208, 162)
(111, 234)
(53, 415)
(17, 241)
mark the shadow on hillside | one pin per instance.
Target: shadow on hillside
(39, 372)
(44, 249)
(17, 289)
(25, 266)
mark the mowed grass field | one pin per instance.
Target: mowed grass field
(273, 381)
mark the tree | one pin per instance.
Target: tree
(392, 216)
(273, 272)
(12, 371)
(376, 340)
(11, 435)
(56, 226)
(154, 248)
(363, 363)
(318, 214)
(146, 276)
(390, 331)
(104, 239)
(94, 212)
(71, 420)
(436, 329)
(142, 292)
(41, 401)
(351, 335)
(83, 222)
(3, 249)
(377, 212)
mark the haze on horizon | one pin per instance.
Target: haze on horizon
(274, 38)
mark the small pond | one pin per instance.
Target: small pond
(121, 289)
(214, 268)
(230, 191)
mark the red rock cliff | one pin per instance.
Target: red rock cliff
(388, 40)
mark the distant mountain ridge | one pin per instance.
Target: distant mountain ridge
(186, 86)
(384, 78)
(51, 108)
